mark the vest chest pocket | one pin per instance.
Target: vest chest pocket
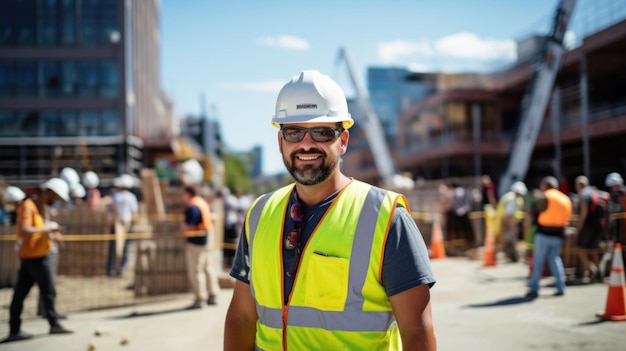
(326, 282)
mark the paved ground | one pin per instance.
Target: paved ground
(475, 308)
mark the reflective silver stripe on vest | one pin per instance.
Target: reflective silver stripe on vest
(359, 265)
(254, 218)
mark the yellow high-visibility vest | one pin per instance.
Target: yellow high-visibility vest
(337, 301)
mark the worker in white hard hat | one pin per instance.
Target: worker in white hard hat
(346, 258)
(93, 197)
(13, 196)
(70, 176)
(509, 216)
(124, 205)
(36, 235)
(617, 204)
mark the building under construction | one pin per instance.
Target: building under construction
(468, 125)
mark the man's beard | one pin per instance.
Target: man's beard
(309, 174)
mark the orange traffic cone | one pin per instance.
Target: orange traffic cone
(489, 256)
(437, 248)
(615, 309)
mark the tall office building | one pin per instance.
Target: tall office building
(79, 87)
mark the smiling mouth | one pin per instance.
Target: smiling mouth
(307, 157)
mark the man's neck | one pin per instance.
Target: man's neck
(312, 194)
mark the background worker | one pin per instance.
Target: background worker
(91, 182)
(617, 205)
(34, 236)
(125, 206)
(330, 262)
(199, 249)
(549, 237)
(590, 228)
(509, 216)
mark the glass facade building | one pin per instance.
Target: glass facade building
(70, 95)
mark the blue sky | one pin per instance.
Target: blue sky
(240, 53)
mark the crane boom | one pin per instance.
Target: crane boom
(371, 124)
(536, 98)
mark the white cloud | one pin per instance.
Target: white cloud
(269, 86)
(469, 46)
(289, 42)
(393, 51)
(420, 67)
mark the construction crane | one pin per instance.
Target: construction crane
(368, 119)
(536, 98)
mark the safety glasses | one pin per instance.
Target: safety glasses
(319, 134)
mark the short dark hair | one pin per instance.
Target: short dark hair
(191, 190)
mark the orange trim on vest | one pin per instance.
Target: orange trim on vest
(205, 211)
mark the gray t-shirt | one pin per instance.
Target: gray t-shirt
(406, 262)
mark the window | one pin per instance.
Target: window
(50, 84)
(25, 21)
(110, 123)
(48, 22)
(68, 124)
(109, 79)
(89, 22)
(87, 81)
(68, 23)
(89, 123)
(7, 78)
(58, 22)
(68, 78)
(9, 124)
(26, 78)
(29, 123)
(7, 28)
(49, 124)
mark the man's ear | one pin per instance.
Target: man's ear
(280, 141)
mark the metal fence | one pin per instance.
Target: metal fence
(155, 268)
(156, 262)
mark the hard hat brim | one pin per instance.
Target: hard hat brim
(347, 123)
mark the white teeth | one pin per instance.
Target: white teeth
(307, 158)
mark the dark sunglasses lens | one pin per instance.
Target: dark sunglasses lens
(293, 135)
(319, 134)
(323, 134)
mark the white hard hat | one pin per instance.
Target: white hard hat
(192, 172)
(124, 181)
(520, 188)
(311, 97)
(77, 191)
(14, 194)
(69, 175)
(613, 179)
(59, 186)
(91, 179)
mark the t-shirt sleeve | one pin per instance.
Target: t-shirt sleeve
(241, 262)
(193, 216)
(406, 263)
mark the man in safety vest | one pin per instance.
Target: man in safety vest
(509, 216)
(35, 235)
(548, 240)
(329, 262)
(199, 249)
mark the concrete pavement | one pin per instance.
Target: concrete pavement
(474, 307)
